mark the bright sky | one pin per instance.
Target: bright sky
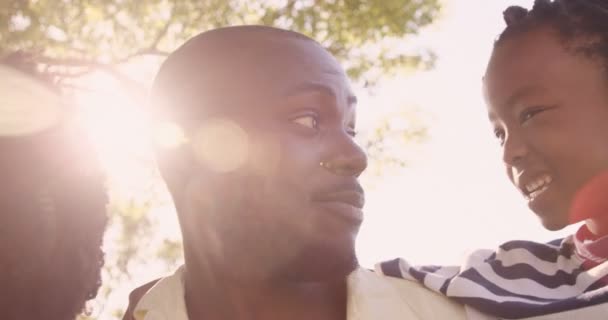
(452, 197)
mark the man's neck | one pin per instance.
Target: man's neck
(212, 295)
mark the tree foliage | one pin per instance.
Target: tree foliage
(97, 33)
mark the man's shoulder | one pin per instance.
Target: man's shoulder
(413, 296)
(134, 298)
(401, 285)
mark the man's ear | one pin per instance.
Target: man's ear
(175, 166)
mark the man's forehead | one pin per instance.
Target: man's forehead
(245, 31)
(221, 45)
(233, 50)
(242, 67)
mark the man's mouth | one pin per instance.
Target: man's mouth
(349, 197)
(345, 202)
(536, 187)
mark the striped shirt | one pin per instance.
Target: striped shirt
(522, 278)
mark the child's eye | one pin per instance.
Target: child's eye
(500, 136)
(530, 113)
(309, 121)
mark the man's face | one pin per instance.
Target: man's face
(549, 108)
(287, 202)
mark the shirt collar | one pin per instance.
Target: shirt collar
(369, 297)
(590, 247)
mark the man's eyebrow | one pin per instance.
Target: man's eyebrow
(306, 87)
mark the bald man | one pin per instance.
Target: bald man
(266, 187)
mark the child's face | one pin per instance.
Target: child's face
(549, 109)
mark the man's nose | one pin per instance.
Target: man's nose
(347, 157)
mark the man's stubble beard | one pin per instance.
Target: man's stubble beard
(239, 235)
(277, 256)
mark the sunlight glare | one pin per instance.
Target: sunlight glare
(169, 135)
(119, 130)
(22, 111)
(221, 144)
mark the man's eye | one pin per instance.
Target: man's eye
(351, 132)
(308, 121)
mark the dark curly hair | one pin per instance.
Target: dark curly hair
(52, 219)
(582, 25)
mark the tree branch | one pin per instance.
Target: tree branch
(187, 24)
(152, 49)
(131, 85)
(143, 52)
(68, 75)
(163, 31)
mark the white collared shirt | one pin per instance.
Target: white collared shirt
(370, 296)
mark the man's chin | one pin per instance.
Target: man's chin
(320, 263)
